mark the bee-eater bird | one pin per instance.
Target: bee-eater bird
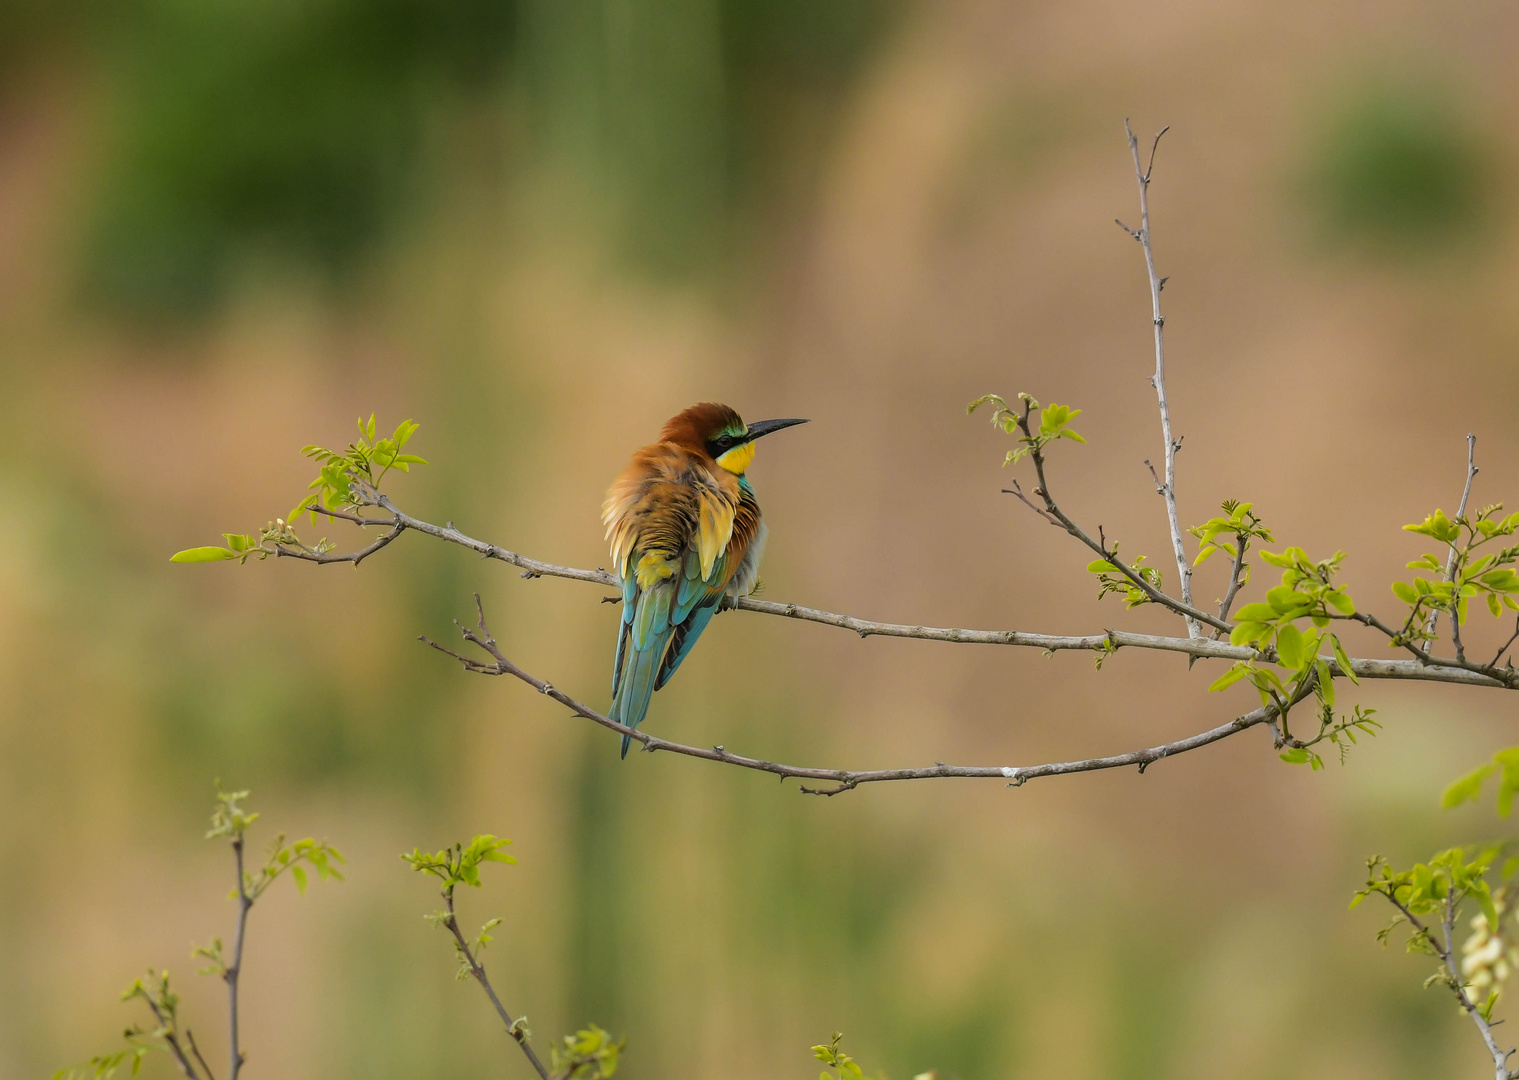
(686, 532)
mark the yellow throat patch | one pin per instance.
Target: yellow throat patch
(737, 460)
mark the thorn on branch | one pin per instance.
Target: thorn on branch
(1135, 233)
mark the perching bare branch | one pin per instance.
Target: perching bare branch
(1424, 669)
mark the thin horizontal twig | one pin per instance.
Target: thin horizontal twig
(841, 779)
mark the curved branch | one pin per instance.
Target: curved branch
(842, 779)
(286, 551)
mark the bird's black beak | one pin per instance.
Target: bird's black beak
(765, 427)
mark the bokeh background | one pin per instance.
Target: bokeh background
(540, 227)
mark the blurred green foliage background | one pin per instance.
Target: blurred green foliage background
(227, 228)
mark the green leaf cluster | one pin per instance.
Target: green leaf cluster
(1307, 592)
(163, 1003)
(1338, 731)
(338, 470)
(1439, 886)
(1238, 522)
(317, 854)
(1054, 423)
(1113, 580)
(365, 461)
(844, 1067)
(589, 1054)
(104, 1066)
(229, 819)
(245, 546)
(454, 866)
(460, 864)
(1471, 575)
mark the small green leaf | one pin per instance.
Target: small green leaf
(1485, 901)
(1289, 647)
(1284, 600)
(203, 554)
(1247, 633)
(1341, 658)
(1230, 677)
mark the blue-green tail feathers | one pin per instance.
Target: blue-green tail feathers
(659, 626)
(640, 669)
(642, 642)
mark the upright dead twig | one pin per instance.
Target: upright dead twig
(1167, 486)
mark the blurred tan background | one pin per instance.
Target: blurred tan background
(541, 227)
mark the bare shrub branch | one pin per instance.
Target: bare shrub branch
(842, 779)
